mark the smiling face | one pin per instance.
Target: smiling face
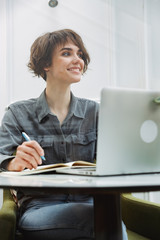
(41, 55)
(67, 64)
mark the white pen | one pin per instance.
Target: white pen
(27, 138)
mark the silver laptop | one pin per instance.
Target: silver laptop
(128, 133)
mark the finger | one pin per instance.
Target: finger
(28, 158)
(23, 164)
(33, 148)
(18, 164)
(36, 146)
(29, 154)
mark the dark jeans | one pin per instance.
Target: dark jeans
(61, 217)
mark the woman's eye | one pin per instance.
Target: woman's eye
(65, 54)
(80, 55)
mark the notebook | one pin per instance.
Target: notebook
(128, 133)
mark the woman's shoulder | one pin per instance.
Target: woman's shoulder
(88, 102)
(22, 103)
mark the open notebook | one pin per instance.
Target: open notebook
(51, 168)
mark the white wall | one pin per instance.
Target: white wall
(136, 43)
(33, 18)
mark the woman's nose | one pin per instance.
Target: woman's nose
(76, 58)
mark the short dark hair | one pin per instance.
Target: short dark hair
(43, 48)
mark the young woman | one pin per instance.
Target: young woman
(64, 129)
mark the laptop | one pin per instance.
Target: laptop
(128, 133)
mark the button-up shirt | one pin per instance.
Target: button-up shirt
(74, 139)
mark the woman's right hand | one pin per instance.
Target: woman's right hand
(27, 156)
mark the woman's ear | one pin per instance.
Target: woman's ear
(46, 69)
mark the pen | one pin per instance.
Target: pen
(27, 138)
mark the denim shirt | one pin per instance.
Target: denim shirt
(74, 139)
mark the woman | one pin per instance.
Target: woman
(63, 128)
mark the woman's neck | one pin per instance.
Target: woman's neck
(58, 99)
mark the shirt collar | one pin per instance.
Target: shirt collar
(75, 107)
(43, 108)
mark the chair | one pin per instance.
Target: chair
(8, 217)
(142, 218)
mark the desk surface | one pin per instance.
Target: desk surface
(113, 183)
(105, 190)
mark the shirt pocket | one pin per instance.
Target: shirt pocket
(84, 146)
